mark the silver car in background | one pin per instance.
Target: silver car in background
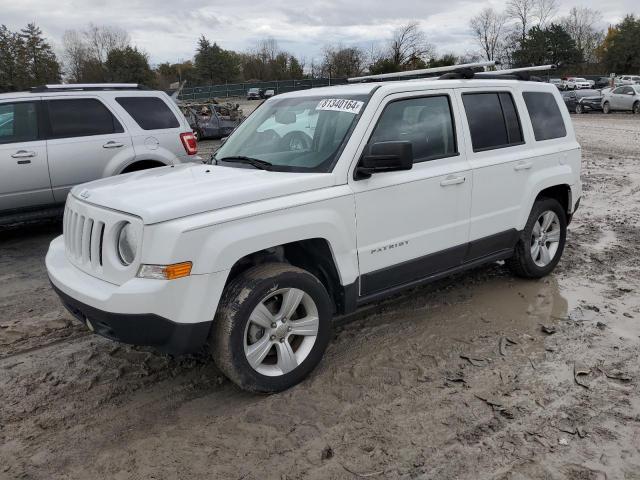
(623, 98)
(58, 136)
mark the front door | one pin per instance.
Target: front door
(24, 175)
(412, 224)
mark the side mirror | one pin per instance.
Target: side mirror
(384, 157)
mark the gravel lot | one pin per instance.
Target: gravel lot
(453, 380)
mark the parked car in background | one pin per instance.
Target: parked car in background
(603, 82)
(591, 82)
(629, 79)
(212, 120)
(58, 136)
(623, 98)
(269, 93)
(255, 94)
(575, 83)
(557, 82)
(583, 101)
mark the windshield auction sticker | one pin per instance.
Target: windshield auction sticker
(340, 105)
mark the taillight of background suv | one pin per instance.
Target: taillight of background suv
(189, 142)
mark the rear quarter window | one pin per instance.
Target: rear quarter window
(546, 117)
(150, 113)
(493, 120)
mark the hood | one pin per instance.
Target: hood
(166, 193)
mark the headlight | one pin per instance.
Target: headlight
(127, 244)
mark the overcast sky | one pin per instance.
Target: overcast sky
(168, 30)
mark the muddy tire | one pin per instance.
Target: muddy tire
(606, 108)
(272, 327)
(542, 240)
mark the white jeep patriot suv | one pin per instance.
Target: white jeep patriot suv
(398, 183)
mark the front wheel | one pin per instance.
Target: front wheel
(606, 108)
(542, 240)
(272, 327)
(579, 109)
(636, 108)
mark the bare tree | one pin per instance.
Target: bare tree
(523, 11)
(488, 28)
(581, 25)
(340, 61)
(102, 39)
(544, 11)
(409, 43)
(75, 54)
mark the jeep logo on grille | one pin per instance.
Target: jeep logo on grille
(85, 193)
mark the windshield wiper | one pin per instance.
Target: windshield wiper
(255, 162)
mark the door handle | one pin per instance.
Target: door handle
(451, 180)
(523, 166)
(113, 144)
(23, 154)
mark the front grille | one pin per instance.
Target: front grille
(83, 237)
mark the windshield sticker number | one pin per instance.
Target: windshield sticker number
(340, 105)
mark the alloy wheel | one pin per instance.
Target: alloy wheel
(281, 332)
(545, 238)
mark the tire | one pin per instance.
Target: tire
(606, 108)
(198, 135)
(579, 109)
(259, 293)
(636, 108)
(529, 262)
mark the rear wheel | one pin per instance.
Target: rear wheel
(636, 108)
(272, 327)
(579, 108)
(606, 108)
(542, 240)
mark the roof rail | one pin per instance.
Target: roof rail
(522, 73)
(87, 87)
(424, 72)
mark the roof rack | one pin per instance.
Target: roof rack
(523, 73)
(465, 69)
(87, 87)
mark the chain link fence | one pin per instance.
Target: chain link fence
(204, 92)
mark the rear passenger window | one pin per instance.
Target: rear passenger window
(18, 122)
(493, 120)
(546, 117)
(425, 122)
(151, 113)
(80, 117)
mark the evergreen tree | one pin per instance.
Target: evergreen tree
(36, 57)
(214, 64)
(128, 65)
(549, 45)
(620, 50)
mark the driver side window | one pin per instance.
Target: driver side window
(426, 122)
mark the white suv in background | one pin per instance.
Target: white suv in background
(58, 136)
(576, 83)
(400, 183)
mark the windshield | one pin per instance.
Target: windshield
(300, 134)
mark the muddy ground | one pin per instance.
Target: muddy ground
(453, 380)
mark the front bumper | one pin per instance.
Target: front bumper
(139, 329)
(172, 315)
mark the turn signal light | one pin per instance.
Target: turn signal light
(165, 272)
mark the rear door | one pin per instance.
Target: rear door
(157, 127)
(501, 165)
(24, 175)
(84, 142)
